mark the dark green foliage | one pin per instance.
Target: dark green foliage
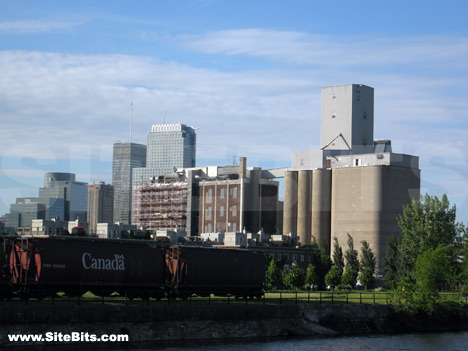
(311, 278)
(421, 293)
(349, 277)
(324, 264)
(273, 278)
(352, 261)
(367, 264)
(333, 277)
(338, 260)
(392, 259)
(294, 277)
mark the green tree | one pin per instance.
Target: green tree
(391, 260)
(333, 277)
(273, 276)
(338, 260)
(351, 256)
(367, 264)
(349, 277)
(294, 278)
(311, 278)
(324, 263)
(424, 224)
(421, 292)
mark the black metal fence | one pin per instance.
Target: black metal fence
(273, 297)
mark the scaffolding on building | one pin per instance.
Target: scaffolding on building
(160, 204)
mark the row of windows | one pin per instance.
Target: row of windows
(222, 193)
(232, 209)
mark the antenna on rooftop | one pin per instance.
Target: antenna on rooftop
(131, 116)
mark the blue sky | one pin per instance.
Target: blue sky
(247, 73)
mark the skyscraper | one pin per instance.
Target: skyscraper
(100, 205)
(169, 146)
(127, 156)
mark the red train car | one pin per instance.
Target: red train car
(44, 266)
(205, 271)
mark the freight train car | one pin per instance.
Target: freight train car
(5, 277)
(44, 266)
(205, 271)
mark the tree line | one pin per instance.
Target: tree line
(340, 271)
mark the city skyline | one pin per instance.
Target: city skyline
(249, 75)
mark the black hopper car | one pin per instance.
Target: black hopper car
(40, 267)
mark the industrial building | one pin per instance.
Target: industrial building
(353, 184)
(232, 202)
(208, 199)
(126, 157)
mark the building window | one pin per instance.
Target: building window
(234, 227)
(278, 257)
(234, 193)
(221, 211)
(221, 193)
(302, 258)
(358, 95)
(208, 212)
(294, 258)
(209, 194)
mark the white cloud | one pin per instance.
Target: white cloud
(36, 26)
(325, 50)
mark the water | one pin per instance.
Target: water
(457, 341)
(421, 342)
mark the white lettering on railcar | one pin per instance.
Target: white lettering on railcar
(115, 264)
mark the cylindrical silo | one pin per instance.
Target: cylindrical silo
(321, 205)
(290, 203)
(304, 202)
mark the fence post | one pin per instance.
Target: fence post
(374, 298)
(320, 297)
(308, 296)
(281, 296)
(347, 297)
(102, 299)
(360, 297)
(332, 296)
(228, 299)
(296, 297)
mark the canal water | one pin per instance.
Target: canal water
(456, 341)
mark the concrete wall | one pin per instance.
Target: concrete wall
(348, 110)
(366, 201)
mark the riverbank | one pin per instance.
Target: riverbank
(176, 322)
